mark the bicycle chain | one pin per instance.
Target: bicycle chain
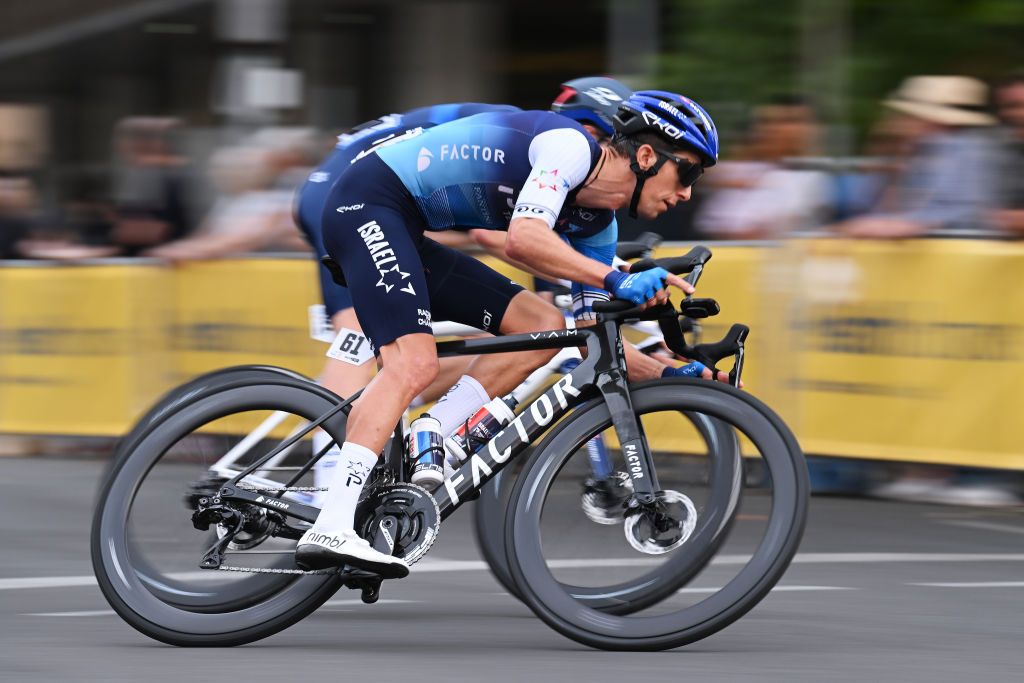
(304, 489)
(267, 570)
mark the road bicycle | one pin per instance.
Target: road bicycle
(133, 530)
(603, 490)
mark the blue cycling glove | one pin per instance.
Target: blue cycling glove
(637, 288)
(694, 369)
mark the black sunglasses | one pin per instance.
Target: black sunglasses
(689, 172)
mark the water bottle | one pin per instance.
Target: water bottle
(426, 451)
(481, 428)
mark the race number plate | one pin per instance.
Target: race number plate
(350, 347)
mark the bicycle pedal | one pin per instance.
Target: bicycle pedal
(370, 592)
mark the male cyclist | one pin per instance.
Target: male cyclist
(537, 175)
(592, 101)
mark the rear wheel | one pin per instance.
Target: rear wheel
(212, 597)
(145, 549)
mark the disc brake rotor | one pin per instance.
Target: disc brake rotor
(415, 510)
(663, 526)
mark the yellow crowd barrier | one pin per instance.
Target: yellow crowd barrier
(909, 351)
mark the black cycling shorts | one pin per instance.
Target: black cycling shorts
(398, 279)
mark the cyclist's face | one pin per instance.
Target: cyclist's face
(664, 190)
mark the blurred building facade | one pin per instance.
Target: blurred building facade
(71, 70)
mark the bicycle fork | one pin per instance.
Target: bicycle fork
(639, 464)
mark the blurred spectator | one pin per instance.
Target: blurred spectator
(1010, 106)
(947, 181)
(861, 181)
(17, 204)
(151, 185)
(257, 180)
(767, 195)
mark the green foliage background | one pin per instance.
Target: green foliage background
(845, 55)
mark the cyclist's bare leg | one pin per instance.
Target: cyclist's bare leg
(408, 366)
(345, 380)
(500, 373)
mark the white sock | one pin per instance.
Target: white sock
(459, 404)
(325, 466)
(351, 472)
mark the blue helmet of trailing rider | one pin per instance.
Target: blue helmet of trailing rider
(672, 119)
(593, 99)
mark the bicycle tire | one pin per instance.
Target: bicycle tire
(784, 528)
(174, 398)
(645, 590)
(232, 621)
(223, 597)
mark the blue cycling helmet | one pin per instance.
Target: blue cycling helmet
(593, 99)
(675, 119)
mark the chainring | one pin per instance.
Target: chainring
(419, 518)
(662, 527)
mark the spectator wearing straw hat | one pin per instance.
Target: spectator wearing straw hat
(946, 184)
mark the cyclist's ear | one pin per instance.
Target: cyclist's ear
(646, 156)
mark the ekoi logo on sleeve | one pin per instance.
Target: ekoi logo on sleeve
(549, 180)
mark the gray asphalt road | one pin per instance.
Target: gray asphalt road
(879, 591)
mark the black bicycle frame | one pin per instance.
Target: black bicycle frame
(603, 374)
(603, 370)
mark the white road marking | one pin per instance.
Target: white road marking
(86, 613)
(884, 558)
(975, 584)
(779, 589)
(47, 582)
(439, 565)
(987, 526)
(436, 565)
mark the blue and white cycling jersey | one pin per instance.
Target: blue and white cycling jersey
(483, 170)
(356, 142)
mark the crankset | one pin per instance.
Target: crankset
(661, 526)
(399, 519)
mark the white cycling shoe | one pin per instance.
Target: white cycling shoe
(318, 550)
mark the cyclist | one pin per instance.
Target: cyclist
(537, 175)
(592, 101)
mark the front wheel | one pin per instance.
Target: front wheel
(711, 471)
(545, 554)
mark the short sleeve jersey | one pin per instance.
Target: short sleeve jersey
(483, 170)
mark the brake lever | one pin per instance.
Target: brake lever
(709, 354)
(732, 344)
